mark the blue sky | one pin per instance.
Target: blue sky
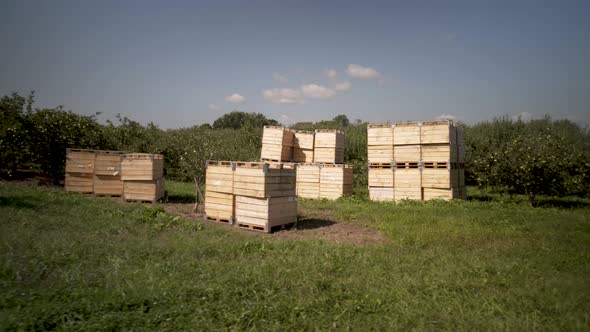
(180, 63)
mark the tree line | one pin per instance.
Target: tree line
(538, 157)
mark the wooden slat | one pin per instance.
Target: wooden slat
(382, 194)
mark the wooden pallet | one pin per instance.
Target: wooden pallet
(107, 195)
(381, 165)
(219, 220)
(265, 229)
(219, 163)
(437, 164)
(407, 164)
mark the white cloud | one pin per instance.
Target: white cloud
(445, 116)
(283, 96)
(342, 86)
(235, 99)
(331, 73)
(317, 91)
(361, 72)
(214, 107)
(279, 78)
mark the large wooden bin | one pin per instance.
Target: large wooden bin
(438, 132)
(308, 181)
(259, 179)
(335, 181)
(107, 173)
(79, 183)
(219, 177)
(144, 190)
(303, 142)
(328, 146)
(379, 143)
(142, 166)
(219, 206)
(263, 214)
(277, 144)
(79, 170)
(408, 181)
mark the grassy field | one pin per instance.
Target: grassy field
(70, 262)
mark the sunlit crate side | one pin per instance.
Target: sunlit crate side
(407, 152)
(379, 153)
(219, 206)
(108, 185)
(276, 152)
(262, 214)
(381, 175)
(382, 194)
(406, 133)
(302, 155)
(108, 162)
(144, 190)
(219, 176)
(408, 183)
(277, 135)
(328, 155)
(257, 179)
(303, 139)
(439, 152)
(379, 134)
(309, 172)
(328, 138)
(438, 132)
(79, 182)
(335, 181)
(80, 160)
(142, 166)
(309, 190)
(440, 193)
(443, 178)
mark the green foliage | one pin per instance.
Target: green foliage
(540, 157)
(237, 120)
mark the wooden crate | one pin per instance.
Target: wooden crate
(382, 194)
(407, 152)
(381, 175)
(439, 153)
(142, 166)
(439, 176)
(144, 190)
(264, 214)
(259, 179)
(328, 155)
(219, 177)
(440, 193)
(302, 155)
(277, 135)
(379, 134)
(108, 185)
(328, 138)
(276, 152)
(79, 182)
(308, 181)
(379, 153)
(108, 163)
(303, 139)
(438, 132)
(335, 181)
(408, 183)
(80, 161)
(405, 133)
(219, 206)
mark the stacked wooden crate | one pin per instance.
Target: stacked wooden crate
(277, 144)
(142, 174)
(427, 163)
(335, 180)
(265, 195)
(303, 143)
(80, 170)
(380, 143)
(219, 190)
(328, 146)
(308, 180)
(107, 173)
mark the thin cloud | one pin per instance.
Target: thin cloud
(360, 72)
(283, 96)
(235, 99)
(316, 91)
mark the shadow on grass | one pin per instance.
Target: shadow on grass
(312, 223)
(566, 203)
(180, 199)
(543, 202)
(17, 202)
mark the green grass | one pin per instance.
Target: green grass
(76, 263)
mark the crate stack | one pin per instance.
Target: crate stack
(143, 177)
(308, 180)
(277, 144)
(80, 170)
(107, 173)
(427, 163)
(262, 195)
(303, 144)
(219, 191)
(328, 146)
